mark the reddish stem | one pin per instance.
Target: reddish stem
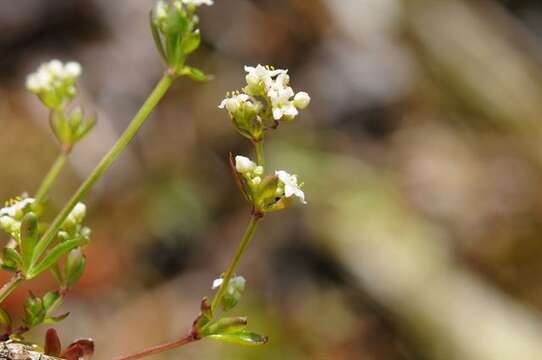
(159, 348)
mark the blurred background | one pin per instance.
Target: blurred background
(421, 155)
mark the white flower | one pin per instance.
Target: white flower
(244, 165)
(78, 213)
(260, 78)
(198, 2)
(233, 103)
(291, 186)
(302, 100)
(281, 101)
(72, 69)
(236, 286)
(15, 210)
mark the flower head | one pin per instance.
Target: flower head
(289, 185)
(16, 208)
(12, 214)
(54, 82)
(243, 110)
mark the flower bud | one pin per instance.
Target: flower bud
(302, 100)
(244, 165)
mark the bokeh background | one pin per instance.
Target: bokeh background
(421, 155)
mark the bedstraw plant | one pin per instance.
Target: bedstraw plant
(34, 246)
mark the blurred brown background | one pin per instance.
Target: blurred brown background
(421, 153)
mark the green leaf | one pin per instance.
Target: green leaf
(34, 310)
(194, 73)
(54, 255)
(11, 259)
(29, 237)
(190, 42)
(55, 319)
(243, 337)
(5, 318)
(50, 298)
(228, 325)
(156, 36)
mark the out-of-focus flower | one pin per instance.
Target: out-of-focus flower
(54, 82)
(236, 286)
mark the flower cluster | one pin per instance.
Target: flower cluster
(269, 86)
(174, 28)
(269, 193)
(54, 82)
(73, 225)
(12, 214)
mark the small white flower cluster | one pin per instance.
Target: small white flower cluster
(12, 214)
(249, 169)
(236, 286)
(288, 185)
(54, 75)
(274, 84)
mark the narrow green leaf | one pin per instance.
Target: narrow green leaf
(34, 311)
(55, 319)
(156, 36)
(54, 255)
(194, 73)
(50, 298)
(243, 337)
(228, 325)
(29, 237)
(11, 259)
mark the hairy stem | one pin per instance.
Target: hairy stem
(251, 228)
(11, 285)
(159, 348)
(132, 129)
(45, 185)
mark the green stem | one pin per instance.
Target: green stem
(132, 129)
(251, 228)
(50, 177)
(11, 285)
(259, 152)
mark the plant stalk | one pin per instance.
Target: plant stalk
(159, 348)
(132, 129)
(49, 179)
(259, 152)
(251, 228)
